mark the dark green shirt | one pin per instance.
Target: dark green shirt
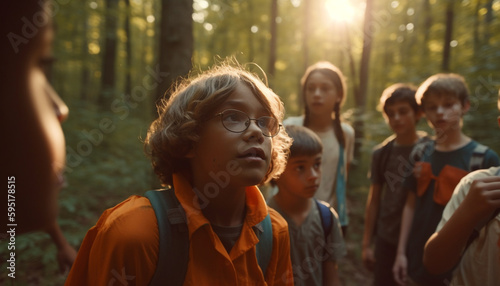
(390, 167)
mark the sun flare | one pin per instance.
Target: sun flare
(340, 10)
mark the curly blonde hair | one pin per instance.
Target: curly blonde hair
(193, 101)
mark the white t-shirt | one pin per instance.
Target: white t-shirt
(330, 157)
(480, 264)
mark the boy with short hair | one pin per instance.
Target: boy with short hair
(388, 170)
(439, 166)
(314, 249)
(217, 136)
(469, 231)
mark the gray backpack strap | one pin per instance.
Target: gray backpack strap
(477, 158)
(173, 249)
(420, 149)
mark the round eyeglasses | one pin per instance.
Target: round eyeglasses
(238, 121)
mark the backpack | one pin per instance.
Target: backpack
(326, 218)
(385, 153)
(475, 163)
(173, 253)
(476, 159)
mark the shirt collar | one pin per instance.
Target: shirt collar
(256, 207)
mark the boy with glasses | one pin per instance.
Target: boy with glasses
(216, 138)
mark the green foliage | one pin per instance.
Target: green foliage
(114, 169)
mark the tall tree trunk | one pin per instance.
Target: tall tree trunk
(352, 64)
(175, 50)
(476, 40)
(85, 80)
(128, 49)
(271, 69)
(448, 36)
(305, 33)
(365, 55)
(176, 42)
(488, 18)
(108, 78)
(427, 28)
(147, 42)
(251, 36)
(360, 98)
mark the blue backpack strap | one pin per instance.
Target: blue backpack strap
(326, 218)
(264, 247)
(173, 250)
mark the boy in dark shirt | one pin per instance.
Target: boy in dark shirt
(441, 163)
(388, 169)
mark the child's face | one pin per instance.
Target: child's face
(444, 112)
(401, 118)
(321, 94)
(301, 177)
(242, 159)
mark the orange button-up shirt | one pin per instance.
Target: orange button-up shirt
(122, 248)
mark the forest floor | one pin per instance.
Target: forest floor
(351, 269)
